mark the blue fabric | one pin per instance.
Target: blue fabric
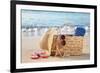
(80, 31)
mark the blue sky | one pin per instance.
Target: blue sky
(54, 18)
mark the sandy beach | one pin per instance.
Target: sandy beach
(31, 43)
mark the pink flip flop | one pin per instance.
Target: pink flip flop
(43, 54)
(39, 54)
(34, 56)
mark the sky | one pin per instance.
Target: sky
(53, 18)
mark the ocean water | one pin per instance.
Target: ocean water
(42, 20)
(53, 18)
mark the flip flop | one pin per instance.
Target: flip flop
(34, 56)
(43, 54)
(39, 54)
